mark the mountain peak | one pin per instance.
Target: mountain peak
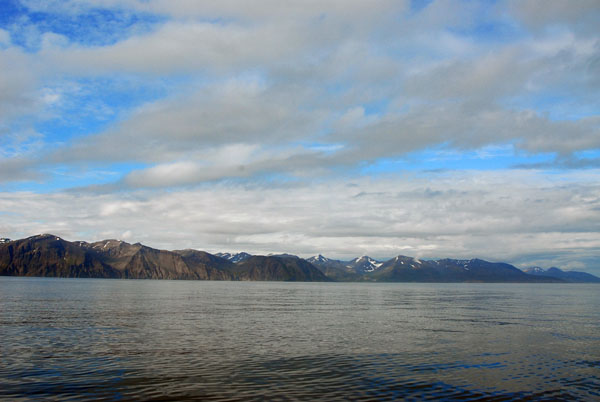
(317, 258)
(364, 264)
(44, 236)
(283, 255)
(111, 244)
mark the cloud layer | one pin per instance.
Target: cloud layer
(517, 216)
(157, 105)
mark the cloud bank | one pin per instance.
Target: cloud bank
(519, 216)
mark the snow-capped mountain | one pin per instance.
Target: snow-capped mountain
(358, 266)
(364, 264)
(318, 259)
(235, 258)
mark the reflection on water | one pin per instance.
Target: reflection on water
(175, 340)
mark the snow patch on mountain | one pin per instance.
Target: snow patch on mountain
(365, 264)
(318, 259)
(235, 258)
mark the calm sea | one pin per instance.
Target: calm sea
(94, 339)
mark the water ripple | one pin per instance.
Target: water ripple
(163, 341)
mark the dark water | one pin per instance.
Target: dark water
(78, 339)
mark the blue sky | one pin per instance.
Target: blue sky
(426, 128)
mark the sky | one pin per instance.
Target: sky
(430, 129)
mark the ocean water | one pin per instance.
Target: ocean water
(94, 339)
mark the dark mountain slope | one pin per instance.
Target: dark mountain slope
(48, 255)
(335, 269)
(407, 269)
(136, 261)
(211, 266)
(271, 268)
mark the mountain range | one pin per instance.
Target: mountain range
(49, 255)
(568, 276)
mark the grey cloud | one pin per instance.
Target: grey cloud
(220, 48)
(486, 78)
(227, 8)
(181, 138)
(562, 63)
(563, 163)
(17, 85)
(171, 129)
(295, 161)
(462, 107)
(538, 14)
(177, 48)
(467, 126)
(17, 169)
(564, 137)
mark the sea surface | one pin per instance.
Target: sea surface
(96, 339)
